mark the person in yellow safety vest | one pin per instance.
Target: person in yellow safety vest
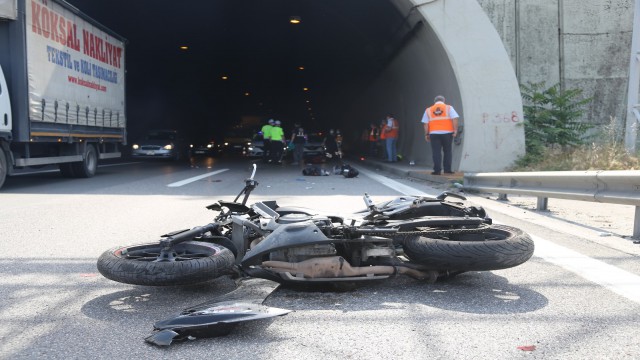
(277, 143)
(266, 138)
(440, 127)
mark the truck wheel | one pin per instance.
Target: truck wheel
(194, 262)
(3, 167)
(88, 166)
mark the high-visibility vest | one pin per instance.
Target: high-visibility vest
(393, 131)
(383, 132)
(277, 134)
(373, 134)
(439, 119)
(266, 131)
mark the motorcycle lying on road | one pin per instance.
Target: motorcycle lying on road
(421, 237)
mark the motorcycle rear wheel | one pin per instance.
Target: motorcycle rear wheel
(194, 262)
(501, 247)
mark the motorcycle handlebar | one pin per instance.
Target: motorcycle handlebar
(187, 235)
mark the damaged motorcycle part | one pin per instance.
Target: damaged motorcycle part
(219, 316)
(189, 262)
(288, 235)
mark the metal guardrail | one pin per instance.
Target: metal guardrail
(614, 187)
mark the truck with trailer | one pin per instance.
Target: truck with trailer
(62, 89)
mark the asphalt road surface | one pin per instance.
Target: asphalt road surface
(577, 298)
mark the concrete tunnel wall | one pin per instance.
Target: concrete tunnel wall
(455, 51)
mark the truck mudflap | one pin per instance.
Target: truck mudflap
(219, 316)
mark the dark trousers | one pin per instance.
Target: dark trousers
(276, 150)
(441, 144)
(266, 151)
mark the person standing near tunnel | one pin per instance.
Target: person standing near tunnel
(266, 140)
(277, 142)
(440, 127)
(391, 138)
(298, 139)
(382, 139)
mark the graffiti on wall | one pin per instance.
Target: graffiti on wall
(501, 118)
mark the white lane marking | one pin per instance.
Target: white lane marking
(196, 178)
(615, 279)
(402, 188)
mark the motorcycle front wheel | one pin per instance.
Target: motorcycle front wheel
(499, 247)
(191, 262)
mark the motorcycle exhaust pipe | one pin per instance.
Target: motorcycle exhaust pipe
(338, 267)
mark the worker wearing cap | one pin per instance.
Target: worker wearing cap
(277, 142)
(266, 138)
(440, 127)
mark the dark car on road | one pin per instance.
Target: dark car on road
(314, 146)
(202, 148)
(256, 149)
(236, 141)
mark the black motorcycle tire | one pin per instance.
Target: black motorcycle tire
(196, 262)
(503, 247)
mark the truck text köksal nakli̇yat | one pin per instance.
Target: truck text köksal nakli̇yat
(62, 88)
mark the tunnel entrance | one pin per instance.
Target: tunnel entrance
(202, 67)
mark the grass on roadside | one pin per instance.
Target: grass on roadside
(607, 153)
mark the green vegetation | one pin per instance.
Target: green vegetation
(556, 140)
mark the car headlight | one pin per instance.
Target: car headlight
(135, 146)
(191, 146)
(168, 147)
(226, 144)
(209, 146)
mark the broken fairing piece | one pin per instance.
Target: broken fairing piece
(219, 317)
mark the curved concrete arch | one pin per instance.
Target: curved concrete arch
(450, 48)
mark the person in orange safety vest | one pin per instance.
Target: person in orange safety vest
(440, 123)
(373, 136)
(382, 136)
(391, 137)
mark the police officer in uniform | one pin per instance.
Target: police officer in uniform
(266, 138)
(277, 142)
